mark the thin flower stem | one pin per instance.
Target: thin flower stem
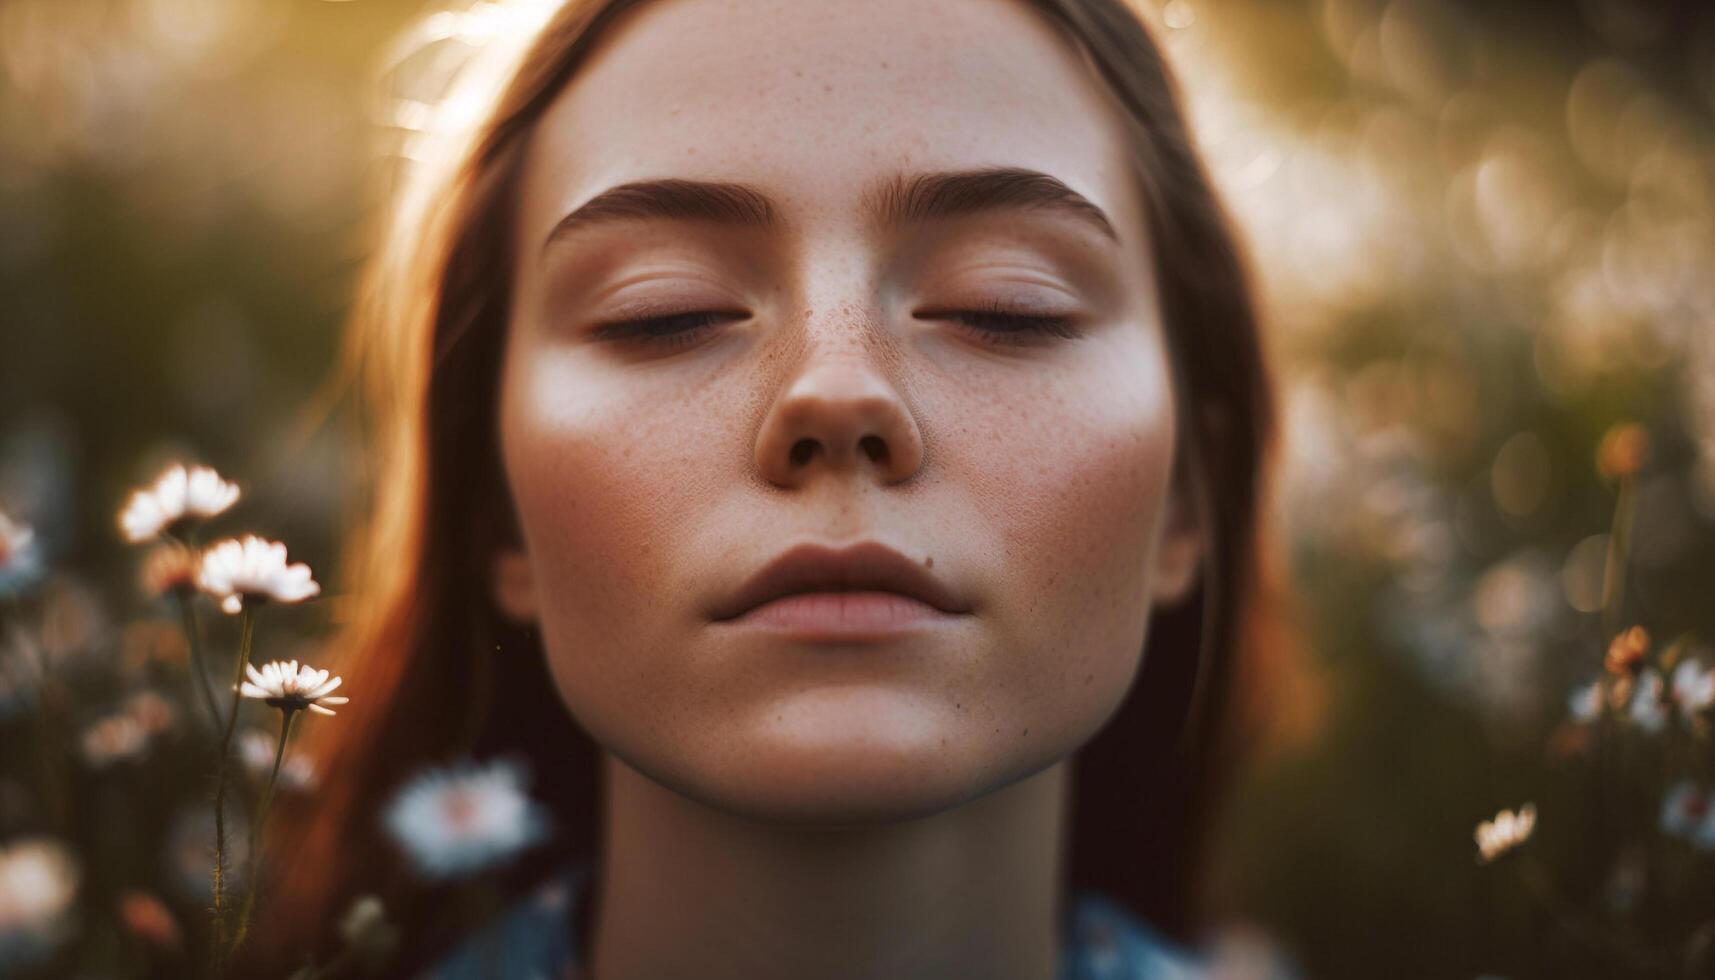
(247, 632)
(48, 747)
(51, 749)
(1619, 554)
(1487, 910)
(193, 640)
(288, 715)
(14, 613)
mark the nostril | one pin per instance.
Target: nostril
(802, 450)
(874, 447)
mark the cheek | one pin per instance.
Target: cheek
(1072, 484)
(603, 487)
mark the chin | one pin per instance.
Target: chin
(853, 790)
(849, 771)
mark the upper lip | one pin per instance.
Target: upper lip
(868, 565)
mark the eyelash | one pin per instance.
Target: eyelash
(1021, 325)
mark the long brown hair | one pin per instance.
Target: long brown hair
(430, 663)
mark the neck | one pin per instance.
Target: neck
(685, 889)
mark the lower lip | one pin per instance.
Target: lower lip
(842, 615)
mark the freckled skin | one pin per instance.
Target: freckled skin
(649, 484)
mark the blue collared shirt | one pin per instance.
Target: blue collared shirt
(531, 941)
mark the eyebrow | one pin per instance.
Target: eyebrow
(900, 200)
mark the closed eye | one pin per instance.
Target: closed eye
(664, 332)
(993, 324)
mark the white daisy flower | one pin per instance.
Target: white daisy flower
(1693, 687)
(1688, 812)
(253, 570)
(178, 497)
(285, 685)
(1647, 710)
(1507, 831)
(1586, 701)
(20, 557)
(460, 819)
(38, 883)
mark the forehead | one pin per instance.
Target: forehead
(817, 101)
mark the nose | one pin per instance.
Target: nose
(839, 412)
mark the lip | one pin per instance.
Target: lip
(864, 587)
(841, 617)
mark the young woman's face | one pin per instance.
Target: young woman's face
(845, 387)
